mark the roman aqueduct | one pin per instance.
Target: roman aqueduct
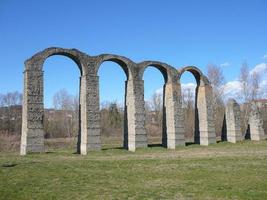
(32, 139)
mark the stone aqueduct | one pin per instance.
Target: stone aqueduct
(32, 138)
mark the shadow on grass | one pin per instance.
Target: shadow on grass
(109, 148)
(194, 143)
(189, 143)
(9, 164)
(154, 145)
(49, 152)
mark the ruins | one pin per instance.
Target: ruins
(233, 121)
(256, 123)
(32, 138)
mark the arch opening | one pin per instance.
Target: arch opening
(68, 55)
(112, 91)
(155, 124)
(189, 87)
(162, 69)
(40, 58)
(194, 71)
(61, 102)
(113, 59)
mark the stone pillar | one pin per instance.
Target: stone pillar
(205, 127)
(134, 122)
(173, 117)
(256, 123)
(32, 133)
(233, 122)
(90, 115)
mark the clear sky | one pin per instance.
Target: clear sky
(191, 32)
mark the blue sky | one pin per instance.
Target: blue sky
(179, 33)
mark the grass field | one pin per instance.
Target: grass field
(219, 171)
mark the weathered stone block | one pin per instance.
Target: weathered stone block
(256, 123)
(205, 127)
(233, 121)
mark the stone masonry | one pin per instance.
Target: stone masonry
(32, 138)
(205, 128)
(256, 123)
(233, 122)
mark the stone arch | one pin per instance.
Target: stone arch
(165, 69)
(196, 72)
(171, 132)
(32, 137)
(36, 61)
(33, 109)
(125, 63)
(204, 117)
(93, 138)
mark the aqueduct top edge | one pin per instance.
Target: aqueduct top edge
(131, 68)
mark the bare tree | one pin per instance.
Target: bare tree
(12, 99)
(255, 82)
(11, 112)
(62, 100)
(76, 103)
(189, 112)
(63, 121)
(249, 92)
(154, 117)
(154, 109)
(188, 98)
(244, 79)
(156, 102)
(1, 100)
(216, 78)
(250, 84)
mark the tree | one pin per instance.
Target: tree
(62, 100)
(189, 111)
(156, 102)
(1, 100)
(11, 99)
(155, 106)
(11, 112)
(112, 119)
(255, 82)
(244, 79)
(63, 121)
(188, 98)
(154, 116)
(115, 118)
(216, 78)
(249, 82)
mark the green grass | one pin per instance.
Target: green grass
(219, 171)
